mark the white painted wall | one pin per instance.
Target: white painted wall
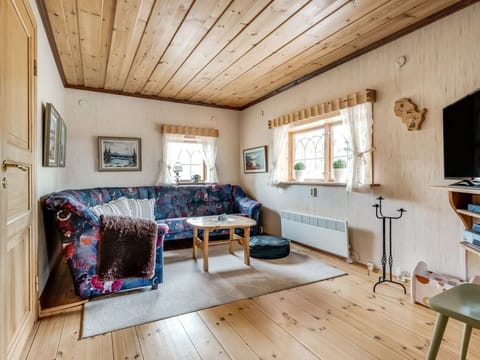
(88, 115)
(93, 114)
(442, 66)
(49, 89)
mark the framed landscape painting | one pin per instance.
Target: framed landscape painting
(50, 136)
(119, 154)
(255, 160)
(62, 143)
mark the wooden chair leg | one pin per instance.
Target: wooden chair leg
(437, 335)
(467, 331)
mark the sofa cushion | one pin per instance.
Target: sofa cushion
(115, 207)
(142, 208)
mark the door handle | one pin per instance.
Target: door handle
(14, 164)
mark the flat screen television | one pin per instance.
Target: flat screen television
(461, 139)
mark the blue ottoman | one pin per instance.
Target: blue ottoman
(269, 247)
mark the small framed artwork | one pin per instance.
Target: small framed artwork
(62, 143)
(119, 154)
(255, 160)
(50, 136)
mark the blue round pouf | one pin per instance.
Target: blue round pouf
(269, 247)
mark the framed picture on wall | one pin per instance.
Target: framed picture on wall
(255, 160)
(62, 143)
(119, 154)
(50, 136)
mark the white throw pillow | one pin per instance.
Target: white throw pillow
(142, 208)
(114, 207)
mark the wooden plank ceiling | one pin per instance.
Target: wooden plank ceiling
(228, 53)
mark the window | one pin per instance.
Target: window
(185, 152)
(318, 145)
(323, 142)
(189, 156)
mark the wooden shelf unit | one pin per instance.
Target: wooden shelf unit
(471, 248)
(459, 198)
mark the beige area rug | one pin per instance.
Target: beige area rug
(187, 288)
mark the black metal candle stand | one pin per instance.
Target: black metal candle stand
(385, 219)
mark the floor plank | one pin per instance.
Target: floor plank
(338, 318)
(165, 339)
(234, 345)
(126, 344)
(99, 347)
(320, 330)
(71, 347)
(202, 338)
(265, 337)
(373, 323)
(49, 345)
(390, 303)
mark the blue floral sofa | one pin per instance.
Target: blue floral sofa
(68, 215)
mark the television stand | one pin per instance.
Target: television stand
(470, 183)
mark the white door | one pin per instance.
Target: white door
(18, 264)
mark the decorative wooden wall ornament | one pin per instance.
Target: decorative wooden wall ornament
(409, 113)
(360, 97)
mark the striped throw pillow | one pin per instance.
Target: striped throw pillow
(115, 207)
(142, 208)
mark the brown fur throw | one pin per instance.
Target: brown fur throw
(127, 247)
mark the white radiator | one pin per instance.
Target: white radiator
(318, 232)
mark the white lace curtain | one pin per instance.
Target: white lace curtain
(359, 122)
(167, 157)
(209, 147)
(279, 171)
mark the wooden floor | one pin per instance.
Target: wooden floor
(333, 319)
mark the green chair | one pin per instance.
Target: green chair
(461, 302)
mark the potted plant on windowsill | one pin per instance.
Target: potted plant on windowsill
(340, 170)
(299, 168)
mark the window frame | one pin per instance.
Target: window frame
(314, 124)
(191, 140)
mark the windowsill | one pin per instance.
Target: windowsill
(318, 183)
(191, 183)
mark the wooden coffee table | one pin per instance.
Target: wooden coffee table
(210, 223)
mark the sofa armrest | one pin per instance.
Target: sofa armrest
(69, 203)
(162, 229)
(66, 217)
(81, 255)
(248, 206)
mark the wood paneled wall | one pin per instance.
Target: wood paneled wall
(441, 67)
